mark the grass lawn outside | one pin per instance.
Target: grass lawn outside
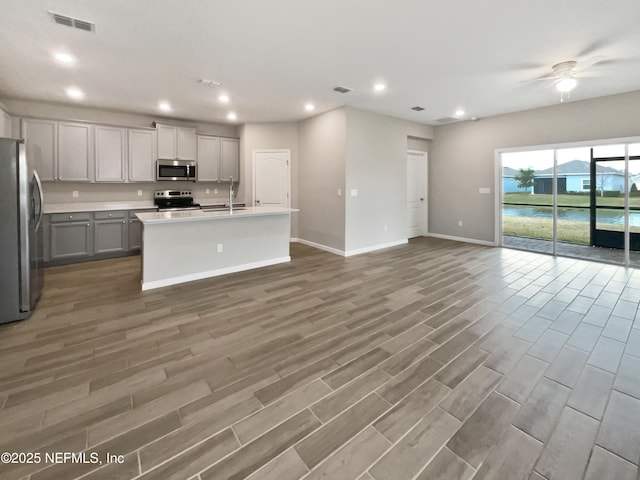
(570, 231)
(568, 200)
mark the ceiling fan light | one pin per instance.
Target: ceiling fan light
(566, 84)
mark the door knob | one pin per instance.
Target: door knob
(421, 199)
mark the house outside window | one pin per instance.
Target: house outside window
(586, 184)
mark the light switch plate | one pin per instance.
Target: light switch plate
(484, 190)
(139, 193)
(354, 192)
(75, 194)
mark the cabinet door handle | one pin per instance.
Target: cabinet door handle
(124, 222)
(88, 224)
(70, 217)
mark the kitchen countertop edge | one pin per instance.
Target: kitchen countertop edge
(154, 218)
(96, 206)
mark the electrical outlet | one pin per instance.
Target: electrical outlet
(459, 223)
(139, 193)
(219, 248)
(75, 194)
(206, 191)
(354, 192)
(215, 191)
(339, 192)
(386, 228)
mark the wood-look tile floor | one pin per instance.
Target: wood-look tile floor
(434, 360)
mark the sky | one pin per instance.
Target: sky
(541, 159)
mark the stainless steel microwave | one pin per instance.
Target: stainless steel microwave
(176, 170)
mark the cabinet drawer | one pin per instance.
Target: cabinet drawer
(109, 215)
(70, 217)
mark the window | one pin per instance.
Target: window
(586, 184)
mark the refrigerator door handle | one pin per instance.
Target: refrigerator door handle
(41, 196)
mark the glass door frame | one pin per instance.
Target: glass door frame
(626, 141)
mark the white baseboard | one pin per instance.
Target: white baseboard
(462, 239)
(213, 273)
(373, 248)
(350, 253)
(319, 246)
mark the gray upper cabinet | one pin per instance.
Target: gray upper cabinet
(186, 143)
(229, 159)
(109, 154)
(75, 152)
(176, 142)
(142, 155)
(208, 158)
(218, 159)
(41, 141)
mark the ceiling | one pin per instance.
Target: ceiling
(272, 57)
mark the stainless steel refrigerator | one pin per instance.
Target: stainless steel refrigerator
(21, 202)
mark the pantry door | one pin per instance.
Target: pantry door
(271, 178)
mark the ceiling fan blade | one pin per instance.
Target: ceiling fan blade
(539, 79)
(589, 62)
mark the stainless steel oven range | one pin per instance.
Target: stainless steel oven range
(174, 200)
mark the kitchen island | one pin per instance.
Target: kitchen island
(187, 245)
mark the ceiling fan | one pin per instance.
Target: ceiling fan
(563, 74)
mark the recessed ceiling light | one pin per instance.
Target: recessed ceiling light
(459, 113)
(65, 58)
(223, 98)
(378, 87)
(74, 92)
(164, 106)
(309, 107)
(231, 116)
(566, 84)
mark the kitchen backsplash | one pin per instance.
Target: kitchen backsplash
(118, 192)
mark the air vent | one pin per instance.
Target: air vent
(417, 108)
(209, 83)
(341, 89)
(447, 120)
(72, 22)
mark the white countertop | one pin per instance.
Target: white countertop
(96, 206)
(203, 215)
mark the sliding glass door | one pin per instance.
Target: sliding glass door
(581, 201)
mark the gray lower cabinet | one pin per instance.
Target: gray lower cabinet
(110, 232)
(71, 236)
(135, 233)
(86, 236)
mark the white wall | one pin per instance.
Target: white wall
(321, 172)
(376, 167)
(462, 155)
(350, 149)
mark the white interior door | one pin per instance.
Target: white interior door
(271, 178)
(416, 194)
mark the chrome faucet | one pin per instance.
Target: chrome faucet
(231, 195)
